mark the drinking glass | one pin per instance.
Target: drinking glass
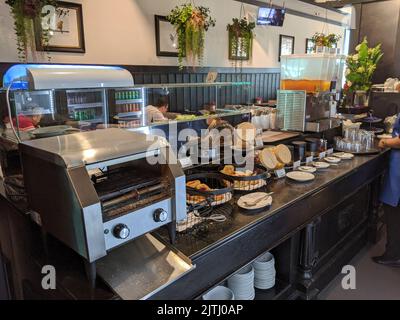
(337, 141)
(357, 147)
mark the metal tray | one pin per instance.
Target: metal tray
(143, 267)
(46, 132)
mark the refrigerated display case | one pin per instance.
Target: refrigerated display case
(47, 100)
(26, 101)
(88, 106)
(127, 108)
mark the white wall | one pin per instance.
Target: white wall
(122, 32)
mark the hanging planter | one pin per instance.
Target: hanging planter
(25, 12)
(191, 23)
(240, 39)
(328, 41)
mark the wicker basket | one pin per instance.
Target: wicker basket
(256, 181)
(221, 189)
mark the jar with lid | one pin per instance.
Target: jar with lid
(299, 150)
(312, 147)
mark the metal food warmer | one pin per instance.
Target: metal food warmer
(96, 191)
(81, 96)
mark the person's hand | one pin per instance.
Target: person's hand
(382, 144)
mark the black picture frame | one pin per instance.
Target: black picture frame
(160, 51)
(309, 45)
(282, 40)
(80, 48)
(234, 51)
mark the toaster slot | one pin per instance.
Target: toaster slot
(124, 190)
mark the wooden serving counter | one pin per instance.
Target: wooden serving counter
(313, 229)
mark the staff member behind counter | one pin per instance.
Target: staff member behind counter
(390, 198)
(31, 118)
(157, 112)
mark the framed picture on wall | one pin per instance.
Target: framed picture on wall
(309, 46)
(64, 25)
(286, 45)
(166, 38)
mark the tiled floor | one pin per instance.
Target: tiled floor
(373, 281)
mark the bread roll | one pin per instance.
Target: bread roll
(229, 170)
(268, 159)
(203, 187)
(193, 184)
(283, 154)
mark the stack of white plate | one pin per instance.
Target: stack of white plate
(264, 271)
(219, 293)
(242, 284)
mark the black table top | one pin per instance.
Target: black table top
(286, 193)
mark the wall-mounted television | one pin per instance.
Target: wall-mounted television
(271, 17)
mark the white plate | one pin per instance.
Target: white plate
(219, 293)
(265, 286)
(300, 176)
(264, 264)
(267, 268)
(344, 155)
(307, 169)
(332, 159)
(269, 279)
(321, 165)
(252, 197)
(265, 281)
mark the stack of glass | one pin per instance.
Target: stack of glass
(355, 140)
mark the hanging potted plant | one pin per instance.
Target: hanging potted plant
(240, 39)
(328, 41)
(361, 67)
(191, 23)
(25, 12)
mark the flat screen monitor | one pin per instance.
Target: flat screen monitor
(271, 17)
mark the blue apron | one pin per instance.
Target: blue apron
(391, 188)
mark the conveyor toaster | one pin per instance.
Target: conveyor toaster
(98, 190)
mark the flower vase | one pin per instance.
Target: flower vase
(361, 99)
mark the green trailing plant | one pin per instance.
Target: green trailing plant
(322, 40)
(361, 67)
(25, 12)
(191, 24)
(240, 39)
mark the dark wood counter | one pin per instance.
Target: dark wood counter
(312, 229)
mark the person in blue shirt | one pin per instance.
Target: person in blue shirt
(390, 197)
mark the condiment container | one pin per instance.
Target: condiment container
(312, 147)
(299, 150)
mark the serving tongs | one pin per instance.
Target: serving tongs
(203, 209)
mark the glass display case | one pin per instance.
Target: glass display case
(34, 109)
(127, 108)
(87, 105)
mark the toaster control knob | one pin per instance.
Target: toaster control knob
(121, 231)
(160, 215)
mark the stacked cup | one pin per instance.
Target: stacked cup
(264, 271)
(242, 284)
